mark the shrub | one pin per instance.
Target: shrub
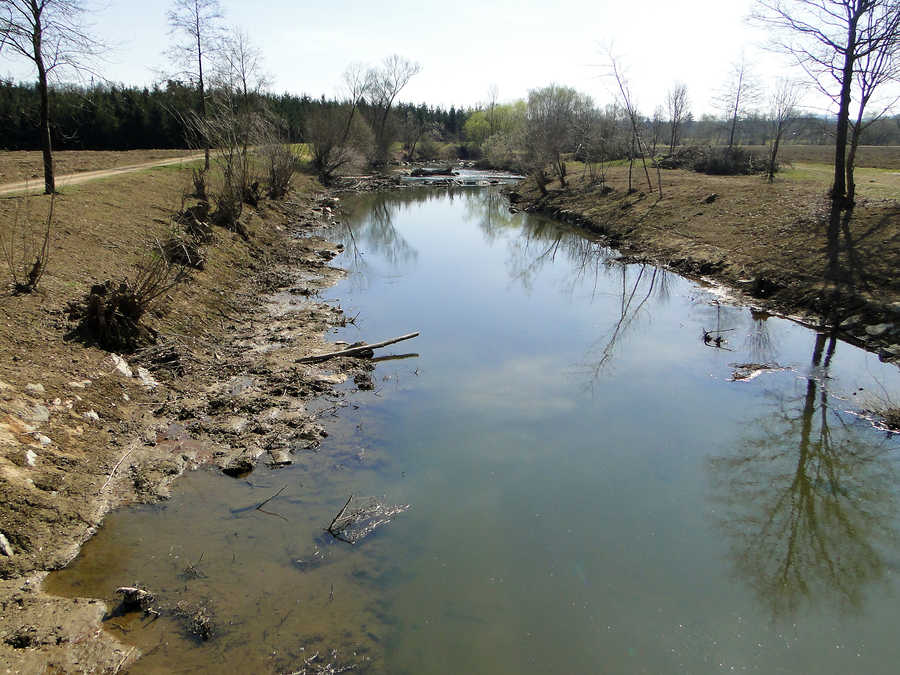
(110, 315)
(26, 247)
(281, 164)
(733, 161)
(198, 177)
(715, 160)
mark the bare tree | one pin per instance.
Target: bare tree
(53, 35)
(634, 119)
(198, 24)
(874, 69)
(737, 97)
(383, 84)
(337, 135)
(783, 113)
(239, 80)
(677, 109)
(833, 41)
(493, 93)
(656, 128)
(240, 68)
(356, 88)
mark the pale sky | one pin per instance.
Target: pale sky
(464, 47)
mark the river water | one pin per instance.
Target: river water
(593, 487)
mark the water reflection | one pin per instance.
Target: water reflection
(370, 224)
(807, 502)
(638, 285)
(759, 343)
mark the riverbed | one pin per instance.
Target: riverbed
(607, 467)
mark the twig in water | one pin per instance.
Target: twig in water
(259, 507)
(124, 659)
(340, 513)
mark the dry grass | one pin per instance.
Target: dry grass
(753, 229)
(28, 164)
(868, 156)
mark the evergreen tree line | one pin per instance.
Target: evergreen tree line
(118, 117)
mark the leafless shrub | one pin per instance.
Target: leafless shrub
(184, 251)
(198, 177)
(26, 247)
(111, 314)
(337, 139)
(230, 135)
(195, 221)
(281, 163)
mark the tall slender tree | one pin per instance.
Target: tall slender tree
(782, 114)
(677, 108)
(197, 23)
(55, 37)
(738, 96)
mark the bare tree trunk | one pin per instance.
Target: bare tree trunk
(851, 161)
(46, 148)
(561, 170)
(631, 162)
(644, 163)
(773, 155)
(737, 107)
(202, 93)
(839, 188)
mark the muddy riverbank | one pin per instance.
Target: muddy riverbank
(83, 431)
(772, 244)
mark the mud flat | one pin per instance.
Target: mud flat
(83, 431)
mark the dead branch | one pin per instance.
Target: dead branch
(338, 516)
(361, 349)
(262, 504)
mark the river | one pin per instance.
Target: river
(593, 487)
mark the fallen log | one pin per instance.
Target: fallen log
(361, 349)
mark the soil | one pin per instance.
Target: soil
(768, 242)
(83, 430)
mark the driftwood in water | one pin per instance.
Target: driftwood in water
(362, 349)
(353, 525)
(134, 598)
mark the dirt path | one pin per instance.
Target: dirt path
(37, 185)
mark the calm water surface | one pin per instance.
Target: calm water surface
(589, 490)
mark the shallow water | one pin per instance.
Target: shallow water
(589, 490)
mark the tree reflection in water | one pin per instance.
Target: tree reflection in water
(370, 226)
(806, 502)
(759, 343)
